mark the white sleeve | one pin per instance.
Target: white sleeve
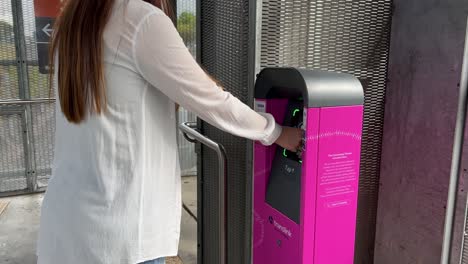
(162, 58)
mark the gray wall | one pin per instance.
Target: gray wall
(422, 93)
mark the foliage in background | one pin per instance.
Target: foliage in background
(8, 83)
(9, 88)
(186, 24)
(6, 32)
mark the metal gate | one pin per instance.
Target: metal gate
(343, 36)
(26, 134)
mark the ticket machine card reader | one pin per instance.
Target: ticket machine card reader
(284, 185)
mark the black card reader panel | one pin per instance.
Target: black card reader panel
(284, 185)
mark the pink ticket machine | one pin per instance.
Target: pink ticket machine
(305, 204)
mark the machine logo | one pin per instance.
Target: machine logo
(282, 229)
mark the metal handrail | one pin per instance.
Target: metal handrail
(190, 132)
(23, 102)
(456, 159)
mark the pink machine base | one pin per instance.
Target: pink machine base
(325, 233)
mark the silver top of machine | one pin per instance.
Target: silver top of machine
(317, 88)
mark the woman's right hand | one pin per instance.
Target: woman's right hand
(290, 138)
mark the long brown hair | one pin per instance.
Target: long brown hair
(78, 42)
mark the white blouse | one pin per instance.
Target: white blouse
(115, 192)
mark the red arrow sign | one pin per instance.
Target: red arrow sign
(47, 8)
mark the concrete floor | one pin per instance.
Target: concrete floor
(20, 220)
(18, 229)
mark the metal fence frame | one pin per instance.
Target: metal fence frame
(23, 106)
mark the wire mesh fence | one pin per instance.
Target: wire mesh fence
(43, 118)
(27, 129)
(13, 135)
(12, 160)
(8, 59)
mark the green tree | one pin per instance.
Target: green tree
(186, 24)
(6, 31)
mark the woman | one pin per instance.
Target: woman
(120, 68)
